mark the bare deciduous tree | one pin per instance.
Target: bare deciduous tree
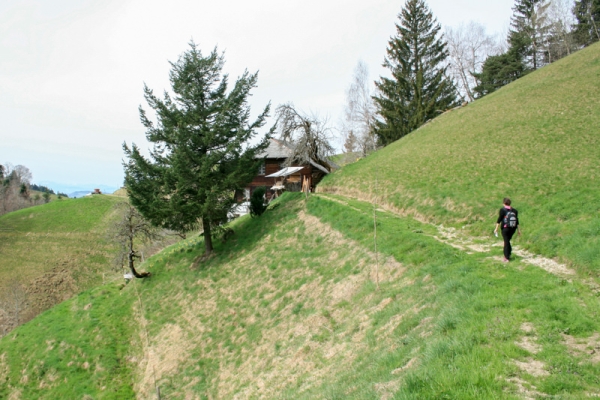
(14, 188)
(309, 136)
(468, 46)
(130, 229)
(12, 306)
(359, 112)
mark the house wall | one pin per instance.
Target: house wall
(273, 165)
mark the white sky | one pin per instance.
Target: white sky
(72, 71)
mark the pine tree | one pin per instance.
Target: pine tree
(587, 29)
(419, 88)
(201, 153)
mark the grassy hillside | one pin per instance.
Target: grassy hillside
(55, 250)
(536, 140)
(296, 306)
(301, 304)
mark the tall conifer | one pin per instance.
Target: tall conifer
(419, 88)
(201, 152)
(529, 32)
(587, 29)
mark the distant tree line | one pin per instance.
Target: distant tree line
(431, 72)
(41, 188)
(16, 189)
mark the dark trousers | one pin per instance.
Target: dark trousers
(507, 234)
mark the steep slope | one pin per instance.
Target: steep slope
(301, 304)
(298, 305)
(50, 252)
(536, 140)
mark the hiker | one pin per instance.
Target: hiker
(509, 219)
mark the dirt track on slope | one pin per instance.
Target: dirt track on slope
(460, 240)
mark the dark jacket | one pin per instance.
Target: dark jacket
(503, 212)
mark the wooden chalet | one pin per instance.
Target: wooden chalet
(275, 176)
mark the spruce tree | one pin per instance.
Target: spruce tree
(500, 70)
(529, 32)
(419, 88)
(201, 152)
(529, 29)
(587, 29)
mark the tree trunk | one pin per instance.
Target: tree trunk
(208, 246)
(131, 258)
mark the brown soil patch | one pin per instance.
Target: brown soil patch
(3, 368)
(51, 288)
(163, 357)
(590, 347)
(525, 389)
(412, 362)
(15, 394)
(532, 367)
(546, 264)
(528, 343)
(386, 390)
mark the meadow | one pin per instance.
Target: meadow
(298, 305)
(535, 141)
(386, 284)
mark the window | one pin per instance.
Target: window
(262, 169)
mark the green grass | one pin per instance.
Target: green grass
(297, 305)
(54, 251)
(290, 308)
(535, 140)
(37, 239)
(82, 347)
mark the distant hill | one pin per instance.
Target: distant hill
(80, 193)
(78, 189)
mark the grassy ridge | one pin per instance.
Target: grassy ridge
(535, 140)
(50, 252)
(290, 308)
(34, 240)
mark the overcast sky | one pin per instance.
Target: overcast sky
(72, 71)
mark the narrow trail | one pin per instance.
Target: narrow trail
(469, 244)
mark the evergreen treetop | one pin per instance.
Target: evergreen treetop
(530, 27)
(419, 88)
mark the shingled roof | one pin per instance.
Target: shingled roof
(276, 149)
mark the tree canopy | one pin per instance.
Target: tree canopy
(201, 146)
(587, 29)
(419, 88)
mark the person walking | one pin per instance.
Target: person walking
(508, 218)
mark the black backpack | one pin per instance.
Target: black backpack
(510, 219)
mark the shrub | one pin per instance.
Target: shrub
(257, 202)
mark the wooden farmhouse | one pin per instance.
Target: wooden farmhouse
(276, 176)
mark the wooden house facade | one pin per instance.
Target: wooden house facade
(274, 158)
